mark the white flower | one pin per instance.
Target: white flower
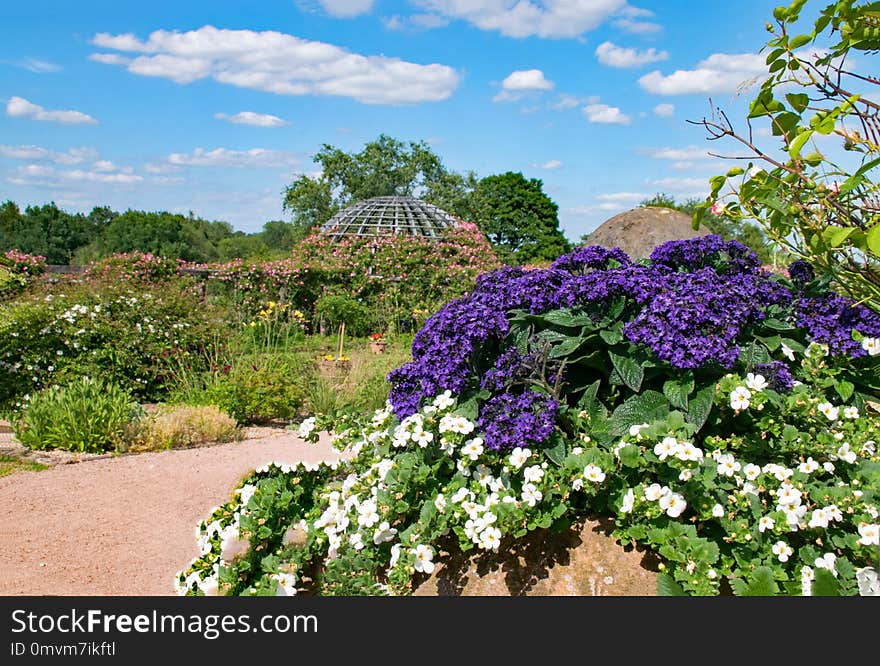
(444, 400)
(869, 447)
(808, 467)
(423, 438)
(462, 426)
(470, 507)
(807, 578)
(473, 448)
(367, 514)
(519, 456)
(756, 382)
(851, 412)
(383, 467)
(629, 500)
(246, 492)
(870, 534)
(751, 471)
(530, 494)
(461, 495)
(688, 451)
(209, 586)
(483, 475)
(383, 533)
(490, 538)
(668, 447)
(782, 550)
(718, 511)
(654, 492)
(447, 423)
(440, 502)
(766, 523)
(447, 446)
(357, 541)
(395, 554)
(830, 411)
(739, 398)
(306, 427)
(577, 484)
(727, 466)
(685, 475)
(594, 473)
(871, 345)
(846, 454)
(788, 495)
(834, 513)
(787, 351)
(423, 556)
(533, 474)
(286, 585)
(819, 518)
(827, 561)
(828, 467)
(673, 504)
(333, 543)
(635, 430)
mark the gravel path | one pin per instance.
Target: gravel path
(125, 525)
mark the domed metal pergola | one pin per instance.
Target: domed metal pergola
(389, 215)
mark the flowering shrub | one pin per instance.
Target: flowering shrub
(111, 330)
(136, 265)
(746, 460)
(17, 270)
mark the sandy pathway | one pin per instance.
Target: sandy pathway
(122, 526)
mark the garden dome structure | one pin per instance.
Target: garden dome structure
(389, 215)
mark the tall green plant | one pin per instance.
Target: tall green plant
(817, 207)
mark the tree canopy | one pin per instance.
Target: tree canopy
(520, 220)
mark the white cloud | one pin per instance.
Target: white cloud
(678, 154)
(630, 22)
(682, 184)
(163, 168)
(521, 83)
(565, 101)
(223, 157)
(71, 156)
(549, 165)
(415, 22)
(40, 66)
(346, 8)
(251, 118)
(39, 175)
(109, 58)
(528, 18)
(97, 177)
(617, 56)
(104, 165)
(622, 197)
(606, 115)
(664, 110)
(719, 73)
(282, 64)
(18, 107)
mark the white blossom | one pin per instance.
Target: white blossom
(444, 400)
(383, 533)
(306, 427)
(423, 555)
(827, 561)
(440, 502)
(629, 500)
(766, 523)
(669, 446)
(851, 412)
(473, 449)
(787, 351)
(751, 471)
(718, 511)
(830, 411)
(808, 467)
(871, 345)
(870, 534)
(519, 456)
(530, 494)
(673, 504)
(533, 474)
(782, 550)
(756, 382)
(739, 398)
(594, 473)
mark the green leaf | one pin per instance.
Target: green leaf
(760, 584)
(799, 41)
(700, 406)
(630, 456)
(557, 451)
(567, 318)
(589, 397)
(566, 348)
(777, 324)
(611, 336)
(631, 372)
(837, 235)
(844, 390)
(753, 353)
(678, 390)
(874, 239)
(824, 584)
(800, 140)
(645, 408)
(667, 586)
(798, 101)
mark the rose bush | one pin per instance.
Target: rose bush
(720, 414)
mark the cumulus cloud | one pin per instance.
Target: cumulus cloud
(346, 8)
(279, 63)
(631, 20)
(521, 83)
(415, 22)
(70, 156)
(664, 110)
(18, 107)
(719, 73)
(677, 154)
(694, 185)
(40, 175)
(622, 197)
(617, 56)
(566, 101)
(251, 118)
(528, 18)
(224, 157)
(606, 115)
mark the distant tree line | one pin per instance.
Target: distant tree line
(76, 238)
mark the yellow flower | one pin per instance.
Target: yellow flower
(297, 314)
(328, 357)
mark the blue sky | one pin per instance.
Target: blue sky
(214, 107)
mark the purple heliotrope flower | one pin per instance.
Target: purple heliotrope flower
(777, 374)
(800, 272)
(831, 319)
(508, 421)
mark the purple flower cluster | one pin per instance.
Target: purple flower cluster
(777, 375)
(830, 319)
(695, 319)
(510, 367)
(800, 272)
(705, 251)
(509, 420)
(593, 257)
(513, 288)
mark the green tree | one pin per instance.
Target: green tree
(519, 219)
(385, 167)
(747, 233)
(45, 230)
(818, 203)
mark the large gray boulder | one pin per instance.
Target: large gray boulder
(640, 230)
